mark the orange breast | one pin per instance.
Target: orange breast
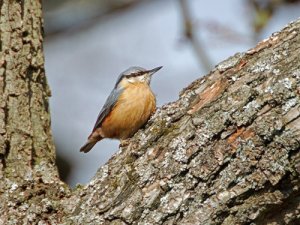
(132, 111)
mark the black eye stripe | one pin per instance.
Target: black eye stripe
(135, 74)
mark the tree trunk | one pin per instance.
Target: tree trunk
(27, 156)
(226, 152)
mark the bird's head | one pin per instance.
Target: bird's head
(137, 75)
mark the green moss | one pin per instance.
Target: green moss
(79, 187)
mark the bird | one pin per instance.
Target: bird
(128, 107)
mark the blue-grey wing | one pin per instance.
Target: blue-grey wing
(108, 106)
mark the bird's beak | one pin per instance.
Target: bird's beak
(153, 71)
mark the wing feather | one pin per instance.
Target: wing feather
(108, 106)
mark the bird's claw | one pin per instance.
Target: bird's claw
(124, 143)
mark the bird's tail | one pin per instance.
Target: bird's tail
(88, 146)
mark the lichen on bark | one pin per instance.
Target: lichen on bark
(226, 152)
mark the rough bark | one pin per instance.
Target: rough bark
(226, 152)
(27, 156)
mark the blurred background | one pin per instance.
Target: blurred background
(88, 43)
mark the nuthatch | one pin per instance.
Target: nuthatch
(127, 108)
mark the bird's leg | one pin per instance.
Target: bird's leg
(124, 142)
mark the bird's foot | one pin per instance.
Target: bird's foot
(124, 143)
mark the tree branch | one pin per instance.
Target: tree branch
(226, 152)
(189, 32)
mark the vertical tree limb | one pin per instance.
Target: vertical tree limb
(189, 32)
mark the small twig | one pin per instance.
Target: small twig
(189, 33)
